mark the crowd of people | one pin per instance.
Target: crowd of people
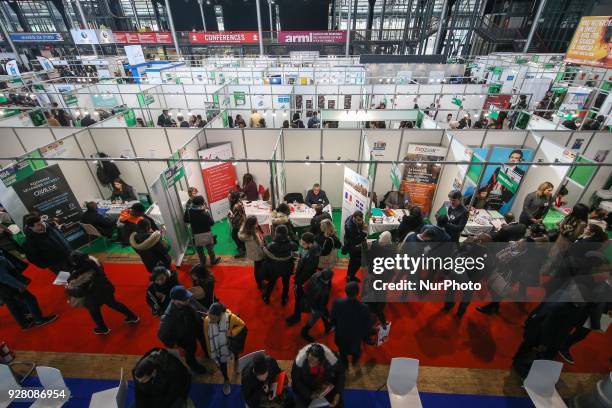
(193, 315)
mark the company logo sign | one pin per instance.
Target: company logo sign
(36, 37)
(328, 37)
(226, 37)
(129, 37)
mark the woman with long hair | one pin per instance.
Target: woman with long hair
(237, 217)
(203, 288)
(122, 191)
(536, 204)
(279, 262)
(330, 244)
(252, 235)
(249, 187)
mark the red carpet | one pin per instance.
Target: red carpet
(419, 330)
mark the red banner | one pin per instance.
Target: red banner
(330, 37)
(219, 180)
(129, 37)
(225, 37)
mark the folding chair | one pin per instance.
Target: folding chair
(401, 383)
(111, 398)
(7, 383)
(92, 231)
(245, 360)
(51, 380)
(540, 384)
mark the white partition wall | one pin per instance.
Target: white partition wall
(259, 144)
(34, 137)
(297, 145)
(500, 138)
(345, 144)
(391, 140)
(233, 136)
(150, 143)
(11, 145)
(450, 173)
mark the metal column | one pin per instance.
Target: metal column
(348, 27)
(261, 47)
(382, 19)
(440, 24)
(202, 14)
(407, 31)
(534, 25)
(270, 11)
(133, 4)
(8, 38)
(84, 23)
(171, 22)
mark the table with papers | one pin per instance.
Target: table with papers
(385, 220)
(483, 221)
(300, 215)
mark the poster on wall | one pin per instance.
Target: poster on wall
(592, 42)
(347, 101)
(298, 101)
(48, 193)
(239, 98)
(419, 180)
(321, 102)
(354, 195)
(502, 182)
(474, 170)
(12, 68)
(219, 178)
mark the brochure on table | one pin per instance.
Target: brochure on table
(219, 178)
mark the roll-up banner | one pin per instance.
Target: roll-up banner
(219, 178)
(420, 179)
(354, 195)
(47, 192)
(592, 42)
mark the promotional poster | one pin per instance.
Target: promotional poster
(219, 179)
(354, 195)
(419, 179)
(592, 42)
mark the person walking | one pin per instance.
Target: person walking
(306, 267)
(45, 246)
(237, 218)
(351, 320)
(91, 286)
(317, 292)
(158, 291)
(329, 244)
(279, 263)
(201, 222)
(203, 288)
(181, 326)
(148, 244)
(354, 236)
(225, 335)
(252, 236)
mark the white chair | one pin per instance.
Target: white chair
(51, 379)
(245, 360)
(112, 398)
(7, 383)
(92, 231)
(540, 384)
(401, 383)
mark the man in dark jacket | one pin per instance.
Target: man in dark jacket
(59, 114)
(315, 222)
(161, 380)
(129, 219)
(279, 262)
(511, 231)
(317, 292)
(457, 215)
(87, 121)
(15, 294)
(181, 326)
(351, 319)
(316, 196)
(158, 292)
(103, 224)
(201, 223)
(306, 267)
(164, 120)
(45, 246)
(149, 246)
(316, 371)
(110, 169)
(354, 236)
(257, 379)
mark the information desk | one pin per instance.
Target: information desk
(300, 215)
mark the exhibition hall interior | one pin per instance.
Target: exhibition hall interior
(306, 203)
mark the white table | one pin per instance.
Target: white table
(155, 213)
(300, 213)
(388, 223)
(113, 209)
(483, 221)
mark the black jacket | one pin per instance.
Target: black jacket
(181, 325)
(457, 218)
(317, 292)
(279, 261)
(151, 249)
(534, 206)
(110, 169)
(304, 384)
(408, 224)
(8, 243)
(329, 244)
(315, 222)
(164, 121)
(353, 235)
(47, 249)
(127, 194)
(351, 319)
(252, 388)
(87, 121)
(159, 306)
(99, 289)
(199, 219)
(170, 386)
(102, 223)
(510, 232)
(208, 286)
(320, 198)
(307, 265)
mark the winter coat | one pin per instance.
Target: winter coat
(510, 232)
(151, 249)
(304, 384)
(181, 325)
(199, 219)
(351, 318)
(170, 386)
(235, 327)
(307, 265)
(353, 236)
(279, 261)
(12, 280)
(279, 218)
(317, 292)
(457, 218)
(95, 288)
(315, 222)
(157, 305)
(252, 388)
(253, 245)
(409, 223)
(47, 249)
(103, 224)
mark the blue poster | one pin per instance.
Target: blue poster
(502, 182)
(36, 37)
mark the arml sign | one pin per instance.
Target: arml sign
(226, 37)
(291, 37)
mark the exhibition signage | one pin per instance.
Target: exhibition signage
(16, 172)
(591, 42)
(420, 179)
(225, 37)
(145, 99)
(329, 37)
(85, 37)
(12, 69)
(134, 54)
(354, 194)
(126, 37)
(45, 64)
(36, 37)
(219, 178)
(239, 98)
(47, 192)
(176, 171)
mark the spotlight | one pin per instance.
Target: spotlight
(307, 163)
(338, 164)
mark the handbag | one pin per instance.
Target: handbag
(236, 343)
(203, 239)
(76, 301)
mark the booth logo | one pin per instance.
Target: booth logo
(292, 37)
(298, 38)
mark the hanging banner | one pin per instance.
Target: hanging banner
(36, 37)
(239, 98)
(164, 37)
(592, 42)
(502, 182)
(12, 68)
(47, 192)
(134, 54)
(225, 37)
(219, 178)
(145, 99)
(176, 171)
(328, 37)
(419, 180)
(16, 172)
(89, 36)
(45, 64)
(474, 171)
(354, 195)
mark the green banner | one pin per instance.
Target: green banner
(507, 182)
(225, 119)
(130, 118)
(37, 117)
(521, 61)
(145, 99)
(535, 58)
(494, 89)
(581, 175)
(70, 98)
(457, 101)
(239, 98)
(175, 171)
(16, 172)
(395, 177)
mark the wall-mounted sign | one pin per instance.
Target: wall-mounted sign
(85, 37)
(330, 37)
(36, 37)
(591, 42)
(126, 37)
(226, 37)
